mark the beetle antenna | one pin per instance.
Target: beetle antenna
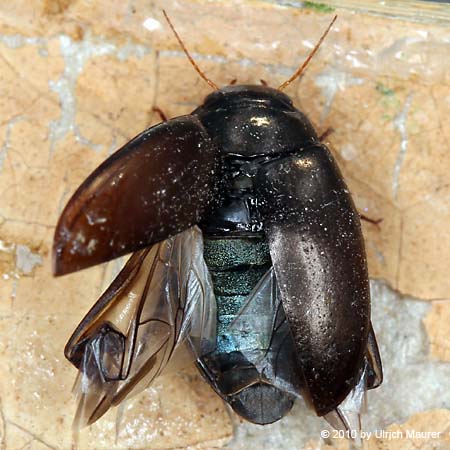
(300, 70)
(191, 60)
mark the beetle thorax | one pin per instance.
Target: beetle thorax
(252, 121)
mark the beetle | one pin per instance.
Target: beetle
(248, 251)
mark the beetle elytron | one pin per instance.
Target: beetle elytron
(247, 249)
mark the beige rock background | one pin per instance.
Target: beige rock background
(79, 78)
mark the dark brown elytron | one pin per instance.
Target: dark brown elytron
(248, 252)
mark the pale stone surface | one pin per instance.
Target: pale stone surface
(80, 78)
(414, 433)
(437, 324)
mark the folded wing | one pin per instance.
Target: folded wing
(271, 349)
(162, 296)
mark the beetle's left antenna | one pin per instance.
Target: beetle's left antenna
(191, 60)
(300, 70)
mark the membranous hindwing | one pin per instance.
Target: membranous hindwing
(264, 353)
(273, 356)
(161, 296)
(253, 365)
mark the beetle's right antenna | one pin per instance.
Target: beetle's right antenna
(300, 70)
(191, 60)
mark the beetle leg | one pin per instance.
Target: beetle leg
(326, 133)
(160, 113)
(375, 222)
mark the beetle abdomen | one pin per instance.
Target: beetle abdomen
(236, 266)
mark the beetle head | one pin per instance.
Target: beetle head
(247, 93)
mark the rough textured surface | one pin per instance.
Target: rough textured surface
(80, 78)
(437, 326)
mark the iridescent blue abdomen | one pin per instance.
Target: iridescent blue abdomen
(236, 265)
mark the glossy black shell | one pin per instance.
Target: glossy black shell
(281, 183)
(250, 121)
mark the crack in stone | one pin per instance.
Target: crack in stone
(25, 263)
(14, 41)
(399, 254)
(6, 143)
(2, 426)
(26, 222)
(76, 55)
(330, 82)
(23, 76)
(26, 260)
(32, 435)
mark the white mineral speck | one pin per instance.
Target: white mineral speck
(151, 24)
(26, 260)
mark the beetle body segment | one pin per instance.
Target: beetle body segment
(283, 269)
(252, 121)
(236, 265)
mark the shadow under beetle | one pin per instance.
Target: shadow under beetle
(248, 250)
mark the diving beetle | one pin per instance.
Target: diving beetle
(247, 249)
